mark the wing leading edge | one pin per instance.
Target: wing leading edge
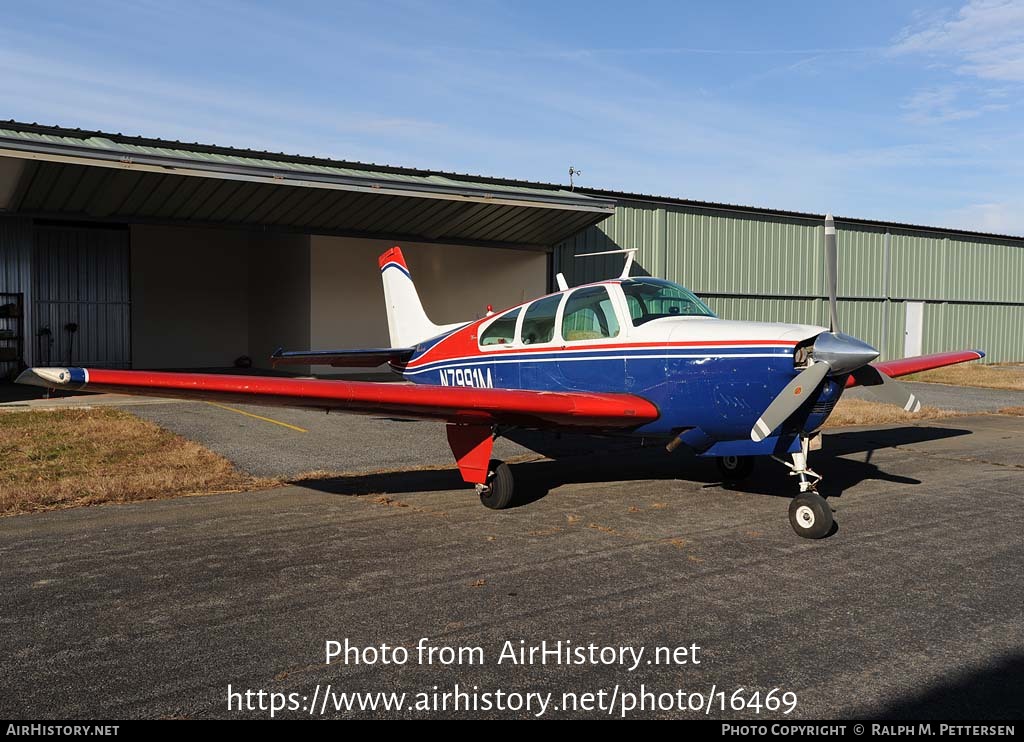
(462, 405)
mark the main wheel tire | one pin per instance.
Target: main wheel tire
(500, 486)
(811, 516)
(735, 468)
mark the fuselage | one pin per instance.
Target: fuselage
(641, 336)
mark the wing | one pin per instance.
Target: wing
(464, 405)
(913, 365)
(366, 358)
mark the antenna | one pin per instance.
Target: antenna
(573, 171)
(630, 255)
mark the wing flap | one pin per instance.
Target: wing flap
(362, 358)
(916, 364)
(453, 404)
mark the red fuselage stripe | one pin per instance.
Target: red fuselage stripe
(429, 358)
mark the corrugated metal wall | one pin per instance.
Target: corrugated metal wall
(81, 276)
(16, 270)
(771, 268)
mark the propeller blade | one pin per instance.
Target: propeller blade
(832, 272)
(885, 389)
(788, 400)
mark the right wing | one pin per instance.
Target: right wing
(454, 404)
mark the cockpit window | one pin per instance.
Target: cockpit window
(653, 298)
(501, 331)
(539, 320)
(589, 315)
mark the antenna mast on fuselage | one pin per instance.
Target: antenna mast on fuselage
(630, 255)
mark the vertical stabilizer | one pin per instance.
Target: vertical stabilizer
(408, 324)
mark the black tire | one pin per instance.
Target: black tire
(811, 516)
(501, 486)
(735, 468)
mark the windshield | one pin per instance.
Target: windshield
(653, 298)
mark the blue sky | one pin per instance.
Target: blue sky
(894, 110)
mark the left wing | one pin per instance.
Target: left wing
(916, 364)
(454, 404)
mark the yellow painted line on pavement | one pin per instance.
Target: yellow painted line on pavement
(259, 417)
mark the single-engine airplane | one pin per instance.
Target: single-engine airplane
(632, 357)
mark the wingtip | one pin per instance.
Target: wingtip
(50, 378)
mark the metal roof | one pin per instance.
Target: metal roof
(786, 214)
(288, 169)
(69, 173)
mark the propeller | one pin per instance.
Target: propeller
(833, 354)
(788, 400)
(884, 388)
(832, 273)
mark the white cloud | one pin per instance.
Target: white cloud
(999, 217)
(985, 39)
(945, 103)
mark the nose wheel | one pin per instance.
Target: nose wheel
(809, 513)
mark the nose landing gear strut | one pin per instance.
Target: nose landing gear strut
(809, 513)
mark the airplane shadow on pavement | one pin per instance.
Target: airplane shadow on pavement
(535, 479)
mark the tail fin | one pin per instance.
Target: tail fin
(408, 324)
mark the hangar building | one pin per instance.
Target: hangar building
(128, 252)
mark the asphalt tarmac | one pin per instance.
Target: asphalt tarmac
(912, 609)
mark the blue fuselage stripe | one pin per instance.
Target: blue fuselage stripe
(399, 267)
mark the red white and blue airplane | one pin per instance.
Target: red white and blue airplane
(632, 357)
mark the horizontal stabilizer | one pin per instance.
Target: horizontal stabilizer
(363, 358)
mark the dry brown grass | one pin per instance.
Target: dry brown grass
(69, 457)
(1019, 411)
(974, 374)
(851, 411)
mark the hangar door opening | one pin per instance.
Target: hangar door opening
(81, 293)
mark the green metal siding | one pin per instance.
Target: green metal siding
(994, 328)
(980, 272)
(918, 267)
(713, 254)
(861, 263)
(771, 268)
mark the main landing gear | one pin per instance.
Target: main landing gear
(471, 445)
(809, 513)
(735, 468)
(497, 492)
